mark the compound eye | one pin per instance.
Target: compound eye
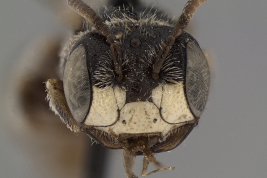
(76, 84)
(197, 82)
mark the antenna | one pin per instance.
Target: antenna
(94, 19)
(186, 16)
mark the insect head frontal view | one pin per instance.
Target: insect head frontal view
(132, 79)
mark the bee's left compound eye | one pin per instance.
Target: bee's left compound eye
(76, 84)
(197, 79)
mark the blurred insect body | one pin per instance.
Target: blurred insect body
(133, 80)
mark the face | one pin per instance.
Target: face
(133, 81)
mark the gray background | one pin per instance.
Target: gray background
(231, 139)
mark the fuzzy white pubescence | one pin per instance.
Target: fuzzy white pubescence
(104, 75)
(170, 71)
(120, 17)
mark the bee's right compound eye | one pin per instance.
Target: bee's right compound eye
(76, 84)
(197, 82)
